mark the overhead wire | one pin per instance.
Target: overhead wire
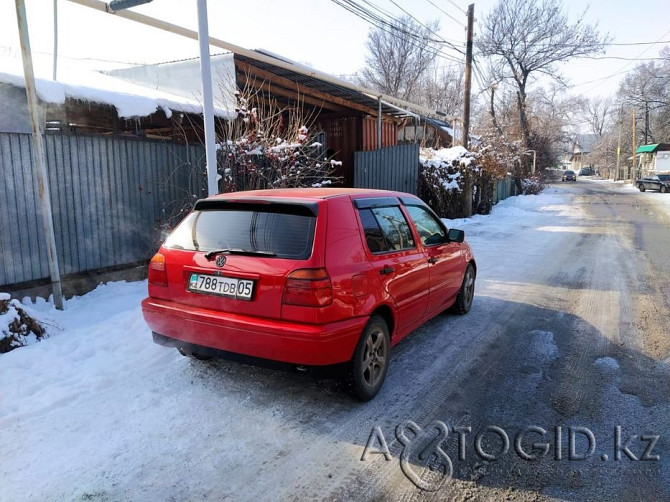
(441, 40)
(621, 71)
(390, 25)
(445, 12)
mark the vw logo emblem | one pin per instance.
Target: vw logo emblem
(220, 261)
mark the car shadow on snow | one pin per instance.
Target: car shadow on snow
(507, 366)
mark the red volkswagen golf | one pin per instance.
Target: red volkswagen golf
(311, 277)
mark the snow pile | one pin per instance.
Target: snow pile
(18, 328)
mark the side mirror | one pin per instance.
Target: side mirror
(456, 235)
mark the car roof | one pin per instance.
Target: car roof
(309, 193)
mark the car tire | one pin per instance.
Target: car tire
(663, 189)
(371, 359)
(467, 292)
(641, 187)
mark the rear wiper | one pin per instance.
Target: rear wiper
(211, 254)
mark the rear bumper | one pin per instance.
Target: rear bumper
(289, 342)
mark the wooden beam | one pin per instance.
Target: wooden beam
(265, 86)
(301, 89)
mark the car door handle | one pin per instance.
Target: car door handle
(432, 260)
(386, 270)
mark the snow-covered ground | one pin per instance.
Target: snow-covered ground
(98, 412)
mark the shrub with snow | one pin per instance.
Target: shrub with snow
(447, 177)
(532, 186)
(17, 327)
(269, 146)
(443, 177)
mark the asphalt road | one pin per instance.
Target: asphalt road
(569, 348)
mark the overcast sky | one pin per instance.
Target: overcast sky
(316, 32)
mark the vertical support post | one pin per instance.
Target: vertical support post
(646, 120)
(532, 172)
(379, 123)
(39, 161)
(468, 76)
(634, 146)
(55, 63)
(618, 176)
(208, 100)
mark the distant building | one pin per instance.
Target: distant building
(653, 159)
(582, 149)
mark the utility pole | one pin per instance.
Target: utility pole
(646, 120)
(39, 162)
(634, 146)
(468, 76)
(617, 175)
(55, 59)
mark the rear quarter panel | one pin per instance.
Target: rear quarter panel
(356, 285)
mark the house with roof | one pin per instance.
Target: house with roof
(90, 102)
(353, 119)
(652, 159)
(582, 150)
(162, 101)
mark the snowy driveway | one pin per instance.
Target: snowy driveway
(564, 335)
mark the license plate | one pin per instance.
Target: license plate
(240, 289)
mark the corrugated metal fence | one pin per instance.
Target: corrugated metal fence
(109, 197)
(503, 189)
(393, 168)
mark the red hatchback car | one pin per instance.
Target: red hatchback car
(312, 277)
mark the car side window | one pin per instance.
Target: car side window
(386, 229)
(430, 230)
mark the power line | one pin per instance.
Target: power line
(620, 72)
(623, 58)
(8, 49)
(445, 12)
(426, 27)
(458, 7)
(391, 26)
(640, 43)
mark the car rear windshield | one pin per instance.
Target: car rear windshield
(281, 231)
(664, 177)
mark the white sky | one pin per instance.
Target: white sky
(316, 32)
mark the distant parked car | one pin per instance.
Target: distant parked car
(569, 175)
(660, 182)
(308, 277)
(586, 171)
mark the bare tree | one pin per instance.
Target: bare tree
(647, 89)
(530, 38)
(597, 112)
(442, 90)
(399, 56)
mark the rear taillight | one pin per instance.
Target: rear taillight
(308, 287)
(157, 273)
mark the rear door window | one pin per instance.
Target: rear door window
(386, 229)
(284, 232)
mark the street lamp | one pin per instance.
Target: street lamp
(117, 5)
(527, 152)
